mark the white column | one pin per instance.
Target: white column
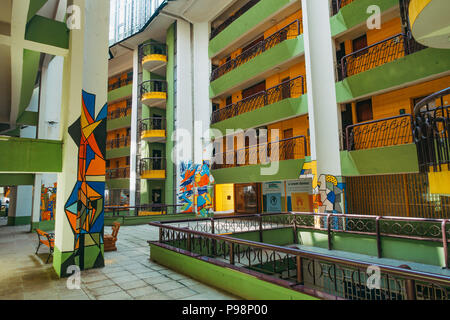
(134, 128)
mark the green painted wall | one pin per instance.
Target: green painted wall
(34, 7)
(355, 13)
(277, 237)
(117, 153)
(244, 23)
(118, 123)
(288, 169)
(132, 220)
(269, 59)
(235, 282)
(48, 31)
(30, 155)
(16, 179)
(31, 60)
(413, 67)
(43, 225)
(387, 160)
(28, 118)
(19, 221)
(284, 109)
(120, 93)
(118, 184)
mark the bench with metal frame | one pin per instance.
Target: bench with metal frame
(47, 239)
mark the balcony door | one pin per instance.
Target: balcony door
(247, 198)
(157, 161)
(287, 145)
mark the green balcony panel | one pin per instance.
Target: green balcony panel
(386, 160)
(118, 184)
(269, 59)
(31, 60)
(287, 170)
(355, 13)
(28, 118)
(48, 31)
(416, 66)
(120, 93)
(30, 155)
(34, 7)
(16, 179)
(118, 123)
(249, 20)
(278, 111)
(117, 153)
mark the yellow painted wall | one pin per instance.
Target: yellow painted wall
(224, 197)
(388, 29)
(113, 134)
(300, 126)
(439, 181)
(117, 163)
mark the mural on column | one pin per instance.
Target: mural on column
(85, 207)
(48, 202)
(195, 176)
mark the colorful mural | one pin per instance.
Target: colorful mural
(48, 203)
(195, 176)
(85, 207)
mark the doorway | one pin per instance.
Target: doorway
(247, 198)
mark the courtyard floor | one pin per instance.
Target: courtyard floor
(128, 272)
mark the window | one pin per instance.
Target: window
(128, 161)
(364, 110)
(360, 43)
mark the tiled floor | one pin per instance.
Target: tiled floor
(128, 272)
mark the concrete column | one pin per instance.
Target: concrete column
(323, 109)
(134, 128)
(81, 185)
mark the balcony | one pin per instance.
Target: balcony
(118, 173)
(120, 83)
(120, 113)
(153, 168)
(378, 54)
(117, 143)
(291, 31)
(265, 153)
(337, 5)
(153, 129)
(154, 57)
(154, 93)
(288, 89)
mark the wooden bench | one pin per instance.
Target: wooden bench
(47, 239)
(109, 240)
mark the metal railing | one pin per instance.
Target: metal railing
(380, 133)
(432, 131)
(153, 86)
(291, 31)
(120, 83)
(119, 113)
(232, 18)
(121, 142)
(149, 164)
(379, 53)
(118, 173)
(315, 274)
(152, 123)
(152, 48)
(288, 89)
(286, 149)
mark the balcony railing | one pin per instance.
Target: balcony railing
(153, 123)
(375, 55)
(215, 31)
(432, 131)
(152, 164)
(118, 173)
(120, 83)
(287, 149)
(289, 32)
(337, 5)
(152, 48)
(380, 133)
(122, 142)
(288, 89)
(119, 113)
(153, 86)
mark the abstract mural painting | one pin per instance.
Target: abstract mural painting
(195, 177)
(48, 203)
(85, 207)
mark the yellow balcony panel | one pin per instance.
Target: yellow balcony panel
(155, 99)
(154, 135)
(154, 174)
(150, 213)
(154, 62)
(438, 181)
(429, 22)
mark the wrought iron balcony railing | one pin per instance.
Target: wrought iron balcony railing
(153, 86)
(432, 131)
(120, 83)
(118, 173)
(153, 123)
(287, 149)
(122, 142)
(288, 89)
(119, 113)
(379, 53)
(215, 31)
(152, 48)
(379, 133)
(289, 32)
(152, 164)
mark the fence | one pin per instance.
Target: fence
(118, 173)
(153, 123)
(121, 142)
(149, 164)
(152, 48)
(153, 86)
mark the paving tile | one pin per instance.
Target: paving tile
(180, 293)
(125, 279)
(99, 284)
(144, 291)
(133, 284)
(121, 295)
(157, 280)
(105, 290)
(167, 286)
(155, 296)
